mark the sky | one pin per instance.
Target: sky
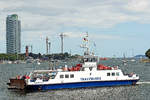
(117, 27)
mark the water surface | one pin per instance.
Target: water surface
(137, 92)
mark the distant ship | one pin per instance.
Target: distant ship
(86, 74)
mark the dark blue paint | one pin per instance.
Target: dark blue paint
(82, 84)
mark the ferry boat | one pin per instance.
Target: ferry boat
(89, 73)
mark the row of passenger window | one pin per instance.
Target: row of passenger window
(113, 74)
(67, 76)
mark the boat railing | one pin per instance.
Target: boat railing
(43, 76)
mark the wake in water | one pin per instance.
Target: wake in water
(143, 83)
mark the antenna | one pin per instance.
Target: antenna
(62, 41)
(31, 48)
(49, 43)
(46, 45)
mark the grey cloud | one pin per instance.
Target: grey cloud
(55, 14)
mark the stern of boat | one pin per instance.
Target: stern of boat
(15, 83)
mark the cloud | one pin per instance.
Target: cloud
(140, 6)
(40, 18)
(93, 36)
(53, 15)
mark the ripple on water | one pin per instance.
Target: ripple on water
(138, 92)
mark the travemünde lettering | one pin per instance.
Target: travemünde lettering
(90, 78)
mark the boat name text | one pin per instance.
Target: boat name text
(90, 78)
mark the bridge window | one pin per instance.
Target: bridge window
(66, 76)
(72, 76)
(108, 74)
(113, 74)
(61, 76)
(117, 74)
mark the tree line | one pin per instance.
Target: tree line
(59, 56)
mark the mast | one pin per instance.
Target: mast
(85, 45)
(31, 48)
(46, 45)
(49, 43)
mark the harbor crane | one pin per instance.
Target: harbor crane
(48, 46)
(62, 35)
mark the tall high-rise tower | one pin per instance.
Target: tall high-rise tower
(13, 34)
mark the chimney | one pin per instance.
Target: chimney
(27, 51)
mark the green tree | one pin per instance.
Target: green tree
(12, 57)
(148, 53)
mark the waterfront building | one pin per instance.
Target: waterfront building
(13, 34)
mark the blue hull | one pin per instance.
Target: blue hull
(81, 84)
